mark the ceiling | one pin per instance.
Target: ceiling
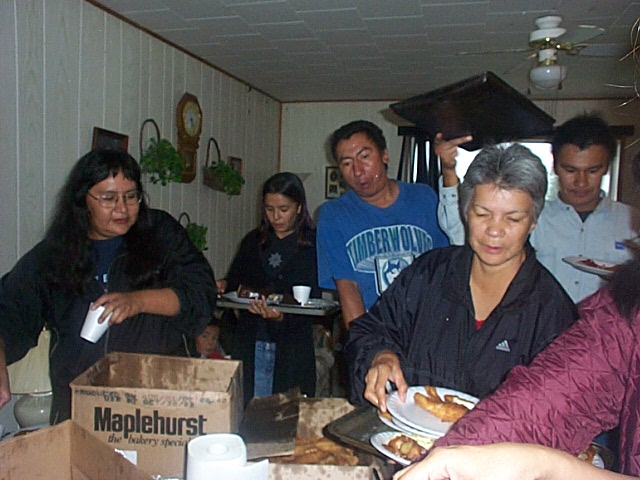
(328, 50)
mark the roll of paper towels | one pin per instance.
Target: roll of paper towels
(222, 455)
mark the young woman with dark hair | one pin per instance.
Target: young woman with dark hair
(276, 348)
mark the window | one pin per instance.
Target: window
(543, 150)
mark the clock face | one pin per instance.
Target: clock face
(191, 118)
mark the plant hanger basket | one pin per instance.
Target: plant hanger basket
(197, 233)
(209, 177)
(161, 160)
(155, 125)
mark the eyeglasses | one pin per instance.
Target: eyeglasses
(110, 200)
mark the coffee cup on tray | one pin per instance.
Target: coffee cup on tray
(301, 293)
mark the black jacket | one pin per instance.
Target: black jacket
(427, 318)
(28, 300)
(293, 336)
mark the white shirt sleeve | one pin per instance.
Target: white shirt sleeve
(449, 213)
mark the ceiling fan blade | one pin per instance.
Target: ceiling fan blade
(614, 50)
(491, 52)
(580, 34)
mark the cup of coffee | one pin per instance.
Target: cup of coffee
(92, 330)
(301, 293)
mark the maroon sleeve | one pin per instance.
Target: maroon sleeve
(571, 391)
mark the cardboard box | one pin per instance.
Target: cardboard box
(64, 452)
(315, 414)
(150, 406)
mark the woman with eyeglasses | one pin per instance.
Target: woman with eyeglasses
(104, 247)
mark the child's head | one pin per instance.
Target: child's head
(207, 341)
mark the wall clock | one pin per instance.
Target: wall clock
(189, 122)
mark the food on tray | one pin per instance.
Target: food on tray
(316, 450)
(409, 448)
(448, 410)
(275, 297)
(287, 299)
(590, 263)
(246, 292)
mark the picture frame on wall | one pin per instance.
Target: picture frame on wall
(107, 139)
(236, 164)
(334, 184)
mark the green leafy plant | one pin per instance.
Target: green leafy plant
(198, 235)
(162, 161)
(222, 176)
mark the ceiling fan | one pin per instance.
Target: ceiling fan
(548, 40)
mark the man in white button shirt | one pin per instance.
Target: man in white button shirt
(580, 220)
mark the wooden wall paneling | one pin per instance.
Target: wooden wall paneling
(130, 106)
(9, 128)
(217, 223)
(178, 87)
(61, 65)
(142, 89)
(204, 205)
(91, 75)
(32, 148)
(154, 60)
(220, 210)
(113, 68)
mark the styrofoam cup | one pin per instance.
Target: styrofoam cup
(301, 293)
(92, 330)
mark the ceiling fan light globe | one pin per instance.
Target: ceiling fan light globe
(546, 77)
(548, 21)
(545, 35)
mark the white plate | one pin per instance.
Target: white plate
(578, 262)
(388, 422)
(597, 461)
(380, 439)
(399, 426)
(233, 296)
(414, 416)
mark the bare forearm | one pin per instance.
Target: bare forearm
(504, 461)
(351, 302)
(162, 301)
(449, 177)
(122, 305)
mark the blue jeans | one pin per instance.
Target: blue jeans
(265, 360)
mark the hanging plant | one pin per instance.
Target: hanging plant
(221, 175)
(196, 233)
(161, 160)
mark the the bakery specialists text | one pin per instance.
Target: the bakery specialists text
(104, 420)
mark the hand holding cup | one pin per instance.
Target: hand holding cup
(92, 331)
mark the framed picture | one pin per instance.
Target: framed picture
(107, 139)
(334, 184)
(236, 163)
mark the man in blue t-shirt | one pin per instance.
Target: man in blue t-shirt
(366, 236)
